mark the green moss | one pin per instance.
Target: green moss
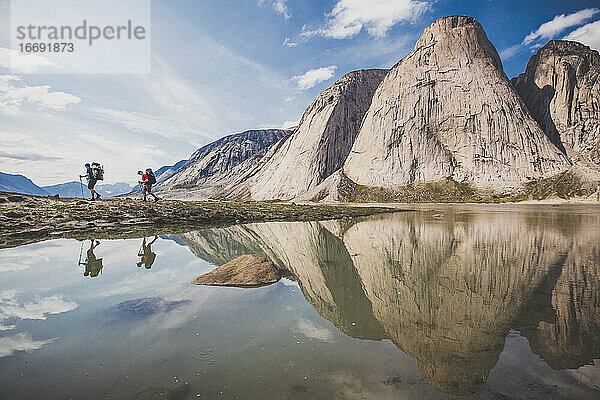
(565, 185)
(444, 191)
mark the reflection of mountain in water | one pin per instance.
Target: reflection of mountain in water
(316, 257)
(445, 292)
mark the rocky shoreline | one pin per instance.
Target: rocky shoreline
(27, 219)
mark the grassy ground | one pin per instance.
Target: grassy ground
(26, 219)
(446, 191)
(565, 185)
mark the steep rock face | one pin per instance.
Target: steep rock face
(561, 87)
(322, 141)
(212, 166)
(448, 109)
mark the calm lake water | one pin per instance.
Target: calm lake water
(480, 302)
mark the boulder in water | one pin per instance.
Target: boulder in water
(244, 271)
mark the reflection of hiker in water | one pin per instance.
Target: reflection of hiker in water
(93, 265)
(148, 256)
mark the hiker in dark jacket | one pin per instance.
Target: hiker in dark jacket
(93, 265)
(148, 256)
(89, 175)
(148, 179)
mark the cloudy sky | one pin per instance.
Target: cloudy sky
(221, 67)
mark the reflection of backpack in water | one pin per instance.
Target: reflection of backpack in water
(97, 171)
(151, 177)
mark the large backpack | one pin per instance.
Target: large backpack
(97, 171)
(151, 177)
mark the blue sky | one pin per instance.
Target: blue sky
(220, 67)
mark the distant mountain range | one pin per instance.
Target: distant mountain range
(164, 173)
(19, 184)
(73, 189)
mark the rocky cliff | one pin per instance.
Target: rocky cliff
(448, 110)
(561, 87)
(220, 163)
(322, 141)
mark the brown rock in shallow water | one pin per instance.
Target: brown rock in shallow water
(246, 270)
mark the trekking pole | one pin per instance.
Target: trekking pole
(81, 184)
(80, 253)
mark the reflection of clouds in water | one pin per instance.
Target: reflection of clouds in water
(312, 331)
(21, 258)
(145, 281)
(11, 267)
(289, 282)
(142, 281)
(348, 385)
(36, 309)
(20, 342)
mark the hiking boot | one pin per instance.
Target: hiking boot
(98, 196)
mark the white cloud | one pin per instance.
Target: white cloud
(290, 124)
(559, 24)
(20, 342)
(139, 122)
(510, 52)
(588, 34)
(12, 267)
(313, 77)
(37, 309)
(287, 42)
(312, 331)
(176, 110)
(349, 17)
(16, 146)
(27, 63)
(14, 94)
(278, 5)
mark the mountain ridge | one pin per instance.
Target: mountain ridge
(19, 184)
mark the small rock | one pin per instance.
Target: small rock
(245, 271)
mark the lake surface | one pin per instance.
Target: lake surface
(480, 302)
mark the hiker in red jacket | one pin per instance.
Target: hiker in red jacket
(148, 179)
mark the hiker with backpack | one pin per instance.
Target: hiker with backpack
(94, 173)
(146, 254)
(148, 179)
(93, 265)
